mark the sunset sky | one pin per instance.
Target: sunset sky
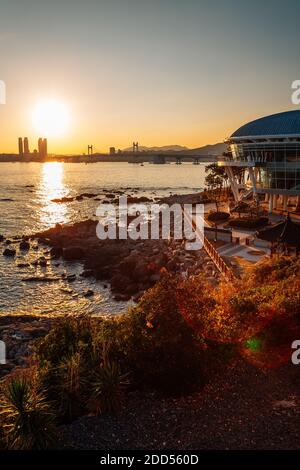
(157, 71)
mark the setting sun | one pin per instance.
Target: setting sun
(51, 118)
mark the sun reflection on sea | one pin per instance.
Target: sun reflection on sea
(52, 186)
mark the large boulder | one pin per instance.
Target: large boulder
(73, 253)
(24, 245)
(128, 264)
(56, 251)
(120, 283)
(9, 252)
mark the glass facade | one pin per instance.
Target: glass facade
(276, 162)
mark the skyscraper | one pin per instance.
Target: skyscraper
(26, 146)
(42, 146)
(45, 146)
(20, 146)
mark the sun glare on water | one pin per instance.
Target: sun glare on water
(52, 186)
(51, 118)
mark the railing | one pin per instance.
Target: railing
(218, 261)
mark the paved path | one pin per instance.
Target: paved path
(244, 251)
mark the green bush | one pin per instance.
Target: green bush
(157, 345)
(152, 343)
(179, 335)
(108, 386)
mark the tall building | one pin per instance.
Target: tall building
(20, 141)
(42, 147)
(268, 150)
(26, 146)
(45, 147)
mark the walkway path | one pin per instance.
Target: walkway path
(244, 251)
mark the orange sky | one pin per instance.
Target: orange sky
(161, 72)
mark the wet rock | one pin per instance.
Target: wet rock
(9, 252)
(89, 195)
(134, 199)
(62, 200)
(88, 293)
(24, 245)
(41, 279)
(23, 265)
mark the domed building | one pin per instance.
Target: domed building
(268, 149)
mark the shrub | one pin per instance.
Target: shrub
(65, 358)
(156, 344)
(152, 342)
(27, 417)
(108, 386)
(275, 269)
(67, 336)
(178, 334)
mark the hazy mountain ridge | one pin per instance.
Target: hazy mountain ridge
(218, 148)
(164, 148)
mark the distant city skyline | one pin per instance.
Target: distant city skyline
(160, 72)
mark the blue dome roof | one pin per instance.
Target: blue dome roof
(287, 123)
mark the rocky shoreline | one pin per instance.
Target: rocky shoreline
(19, 332)
(129, 266)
